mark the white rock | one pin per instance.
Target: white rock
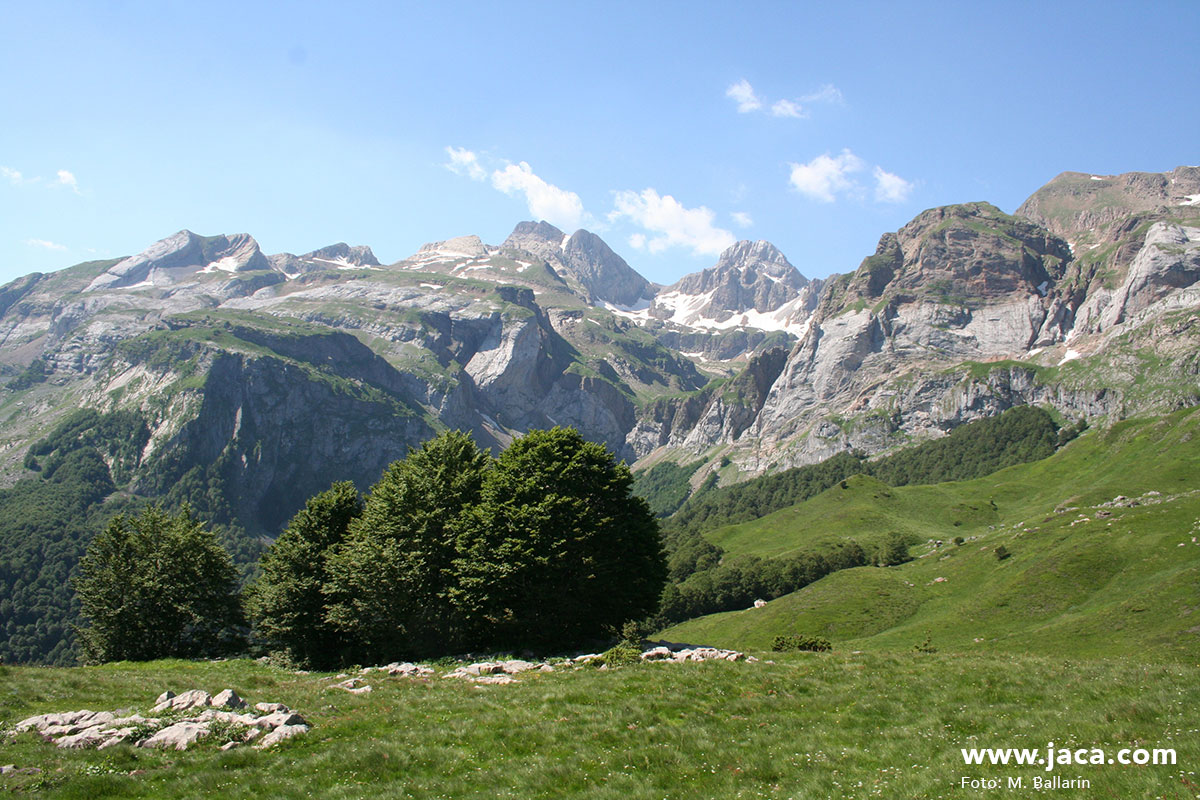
(179, 736)
(281, 733)
(227, 699)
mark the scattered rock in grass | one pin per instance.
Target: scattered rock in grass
(179, 736)
(270, 708)
(103, 729)
(227, 698)
(279, 734)
(353, 686)
(193, 698)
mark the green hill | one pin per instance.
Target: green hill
(1086, 576)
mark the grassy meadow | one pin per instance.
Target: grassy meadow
(840, 725)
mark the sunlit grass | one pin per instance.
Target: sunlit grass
(840, 725)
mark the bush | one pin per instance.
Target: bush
(797, 641)
(1002, 553)
(621, 655)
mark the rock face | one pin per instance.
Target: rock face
(181, 255)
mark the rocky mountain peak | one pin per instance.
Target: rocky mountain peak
(585, 260)
(183, 254)
(534, 233)
(360, 255)
(471, 246)
(761, 257)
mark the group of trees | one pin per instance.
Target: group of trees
(452, 550)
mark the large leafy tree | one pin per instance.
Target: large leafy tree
(155, 586)
(390, 580)
(557, 551)
(286, 602)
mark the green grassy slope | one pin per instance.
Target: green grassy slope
(1078, 582)
(802, 726)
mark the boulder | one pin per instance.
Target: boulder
(179, 736)
(279, 719)
(227, 699)
(279, 734)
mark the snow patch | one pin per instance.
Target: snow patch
(1190, 200)
(433, 286)
(1097, 178)
(1070, 356)
(1042, 288)
(642, 304)
(342, 263)
(226, 264)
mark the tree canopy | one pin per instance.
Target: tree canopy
(286, 600)
(557, 550)
(156, 586)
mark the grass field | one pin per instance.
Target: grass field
(835, 725)
(1083, 579)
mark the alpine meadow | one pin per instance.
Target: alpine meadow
(571, 484)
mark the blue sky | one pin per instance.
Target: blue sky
(671, 129)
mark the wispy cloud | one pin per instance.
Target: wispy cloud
(670, 223)
(786, 108)
(12, 176)
(742, 219)
(825, 176)
(465, 162)
(891, 188)
(65, 178)
(828, 176)
(45, 244)
(743, 94)
(748, 100)
(826, 94)
(545, 200)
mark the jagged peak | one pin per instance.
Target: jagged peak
(762, 256)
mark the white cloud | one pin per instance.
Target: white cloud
(826, 175)
(890, 188)
(786, 108)
(465, 162)
(67, 179)
(638, 241)
(743, 93)
(748, 101)
(546, 201)
(14, 177)
(826, 94)
(674, 224)
(48, 245)
(742, 219)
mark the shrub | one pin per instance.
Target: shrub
(1002, 553)
(797, 641)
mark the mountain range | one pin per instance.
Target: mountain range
(277, 374)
